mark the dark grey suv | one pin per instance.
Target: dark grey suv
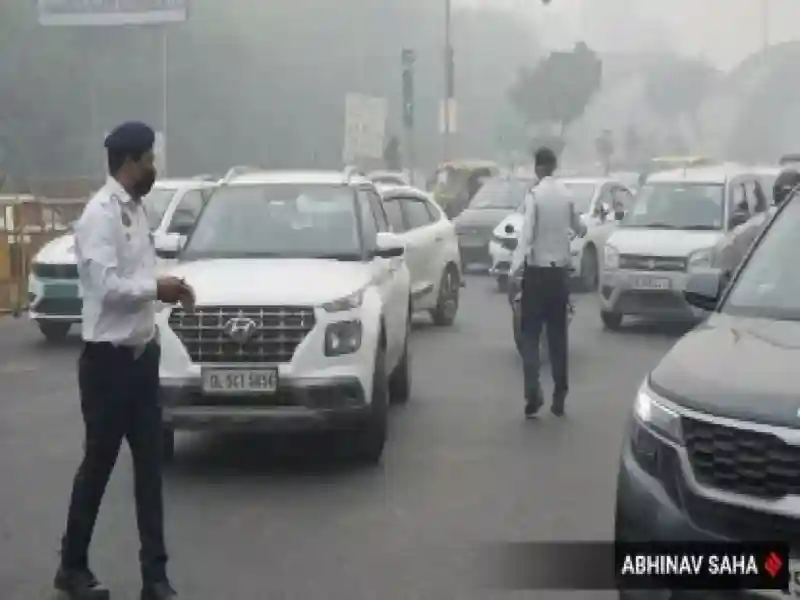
(713, 447)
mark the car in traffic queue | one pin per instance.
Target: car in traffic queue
(600, 202)
(712, 448)
(678, 218)
(302, 317)
(54, 298)
(431, 254)
(495, 200)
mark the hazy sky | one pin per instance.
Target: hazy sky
(723, 31)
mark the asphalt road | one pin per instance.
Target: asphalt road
(250, 519)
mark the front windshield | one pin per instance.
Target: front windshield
(678, 205)
(769, 284)
(500, 193)
(582, 195)
(277, 220)
(156, 204)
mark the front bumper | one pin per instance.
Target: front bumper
(619, 293)
(657, 502)
(298, 405)
(54, 300)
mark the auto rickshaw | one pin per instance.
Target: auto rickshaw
(456, 182)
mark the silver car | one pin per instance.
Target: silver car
(677, 219)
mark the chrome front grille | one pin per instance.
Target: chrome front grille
(741, 460)
(274, 335)
(637, 262)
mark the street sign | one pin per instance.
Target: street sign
(364, 128)
(111, 12)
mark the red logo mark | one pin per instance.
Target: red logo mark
(773, 563)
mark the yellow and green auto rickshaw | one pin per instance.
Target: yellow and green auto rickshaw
(457, 181)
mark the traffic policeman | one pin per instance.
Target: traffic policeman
(118, 365)
(544, 247)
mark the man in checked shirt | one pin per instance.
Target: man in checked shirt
(118, 367)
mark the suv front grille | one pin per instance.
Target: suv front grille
(55, 271)
(277, 332)
(741, 460)
(637, 262)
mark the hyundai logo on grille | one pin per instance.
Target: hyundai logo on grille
(239, 329)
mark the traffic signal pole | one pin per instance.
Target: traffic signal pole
(407, 60)
(448, 80)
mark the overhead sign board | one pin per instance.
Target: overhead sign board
(111, 12)
(365, 127)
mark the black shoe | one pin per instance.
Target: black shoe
(558, 404)
(80, 584)
(159, 591)
(532, 408)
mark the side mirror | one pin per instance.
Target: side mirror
(170, 246)
(509, 228)
(388, 245)
(703, 288)
(739, 217)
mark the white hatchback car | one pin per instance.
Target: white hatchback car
(598, 200)
(53, 292)
(431, 250)
(303, 312)
(678, 218)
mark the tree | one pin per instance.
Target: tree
(675, 88)
(559, 88)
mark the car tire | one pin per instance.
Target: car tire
(370, 436)
(54, 332)
(168, 444)
(590, 271)
(611, 320)
(400, 379)
(447, 303)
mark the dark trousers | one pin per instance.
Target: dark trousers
(545, 300)
(119, 399)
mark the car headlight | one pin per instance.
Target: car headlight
(342, 337)
(656, 416)
(349, 302)
(611, 257)
(700, 259)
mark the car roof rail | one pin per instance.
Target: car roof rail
(234, 172)
(351, 171)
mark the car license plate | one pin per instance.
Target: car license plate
(61, 290)
(651, 283)
(240, 381)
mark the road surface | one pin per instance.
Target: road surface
(250, 519)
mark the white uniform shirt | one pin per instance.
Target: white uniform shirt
(549, 216)
(117, 269)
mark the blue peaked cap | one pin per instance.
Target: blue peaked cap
(132, 136)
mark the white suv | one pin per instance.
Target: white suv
(303, 312)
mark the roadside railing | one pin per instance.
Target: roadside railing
(26, 224)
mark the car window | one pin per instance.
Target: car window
(394, 215)
(280, 221)
(434, 212)
(678, 205)
(755, 197)
(768, 286)
(500, 193)
(416, 213)
(185, 214)
(738, 197)
(376, 206)
(156, 204)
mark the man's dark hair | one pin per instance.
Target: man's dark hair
(130, 140)
(544, 157)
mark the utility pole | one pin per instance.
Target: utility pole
(407, 59)
(765, 6)
(449, 83)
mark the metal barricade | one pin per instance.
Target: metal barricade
(26, 224)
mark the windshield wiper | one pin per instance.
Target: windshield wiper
(342, 257)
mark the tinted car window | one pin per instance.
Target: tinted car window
(678, 205)
(187, 211)
(395, 215)
(416, 213)
(156, 204)
(768, 286)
